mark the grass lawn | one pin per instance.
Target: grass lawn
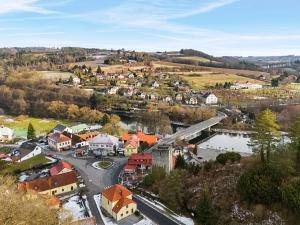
(20, 124)
(5, 150)
(104, 164)
(25, 165)
(204, 80)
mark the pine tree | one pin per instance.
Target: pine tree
(105, 120)
(31, 132)
(99, 69)
(180, 162)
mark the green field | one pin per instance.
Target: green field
(25, 165)
(197, 59)
(104, 164)
(20, 124)
(204, 80)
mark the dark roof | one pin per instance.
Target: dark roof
(25, 149)
(58, 137)
(60, 127)
(206, 94)
(75, 138)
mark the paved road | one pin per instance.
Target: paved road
(154, 214)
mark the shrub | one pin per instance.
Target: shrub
(224, 157)
(291, 195)
(260, 185)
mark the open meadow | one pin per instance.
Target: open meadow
(54, 75)
(197, 59)
(20, 124)
(203, 80)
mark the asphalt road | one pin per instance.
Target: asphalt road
(153, 214)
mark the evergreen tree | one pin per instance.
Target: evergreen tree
(31, 132)
(99, 69)
(204, 211)
(71, 80)
(295, 136)
(180, 162)
(105, 120)
(93, 101)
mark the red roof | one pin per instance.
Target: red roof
(48, 183)
(140, 156)
(58, 138)
(121, 203)
(150, 139)
(116, 192)
(130, 167)
(59, 167)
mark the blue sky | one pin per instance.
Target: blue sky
(218, 27)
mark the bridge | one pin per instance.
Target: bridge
(192, 131)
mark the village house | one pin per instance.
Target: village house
(117, 202)
(131, 146)
(26, 151)
(167, 99)
(209, 98)
(6, 134)
(104, 143)
(76, 80)
(142, 137)
(155, 84)
(60, 168)
(142, 95)
(59, 142)
(191, 100)
(113, 90)
(61, 128)
(178, 97)
(152, 97)
(79, 128)
(130, 75)
(140, 161)
(51, 185)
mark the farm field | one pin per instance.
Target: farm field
(54, 75)
(203, 80)
(20, 124)
(196, 59)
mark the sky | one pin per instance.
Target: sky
(217, 27)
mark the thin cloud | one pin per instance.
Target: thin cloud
(23, 6)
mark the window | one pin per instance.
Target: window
(131, 210)
(126, 206)
(62, 189)
(72, 188)
(126, 212)
(122, 215)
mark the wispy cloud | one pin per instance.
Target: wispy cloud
(23, 6)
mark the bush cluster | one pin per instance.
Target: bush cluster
(223, 158)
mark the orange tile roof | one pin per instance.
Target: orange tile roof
(116, 192)
(150, 139)
(121, 203)
(57, 137)
(89, 135)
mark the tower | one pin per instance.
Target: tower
(163, 156)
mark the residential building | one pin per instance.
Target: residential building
(76, 80)
(6, 134)
(59, 142)
(113, 90)
(105, 143)
(191, 100)
(79, 128)
(155, 84)
(210, 99)
(142, 137)
(52, 185)
(60, 168)
(131, 146)
(117, 202)
(178, 97)
(26, 151)
(61, 128)
(140, 160)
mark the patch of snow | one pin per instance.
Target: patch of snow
(75, 207)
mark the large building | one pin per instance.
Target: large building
(26, 151)
(142, 137)
(59, 142)
(162, 156)
(52, 185)
(104, 143)
(210, 99)
(6, 134)
(117, 202)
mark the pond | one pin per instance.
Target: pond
(232, 142)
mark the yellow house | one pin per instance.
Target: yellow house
(117, 202)
(131, 146)
(53, 185)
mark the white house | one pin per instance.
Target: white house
(6, 134)
(113, 90)
(210, 98)
(61, 128)
(76, 80)
(26, 151)
(105, 143)
(155, 84)
(191, 100)
(59, 142)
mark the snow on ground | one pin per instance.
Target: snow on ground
(75, 207)
(158, 205)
